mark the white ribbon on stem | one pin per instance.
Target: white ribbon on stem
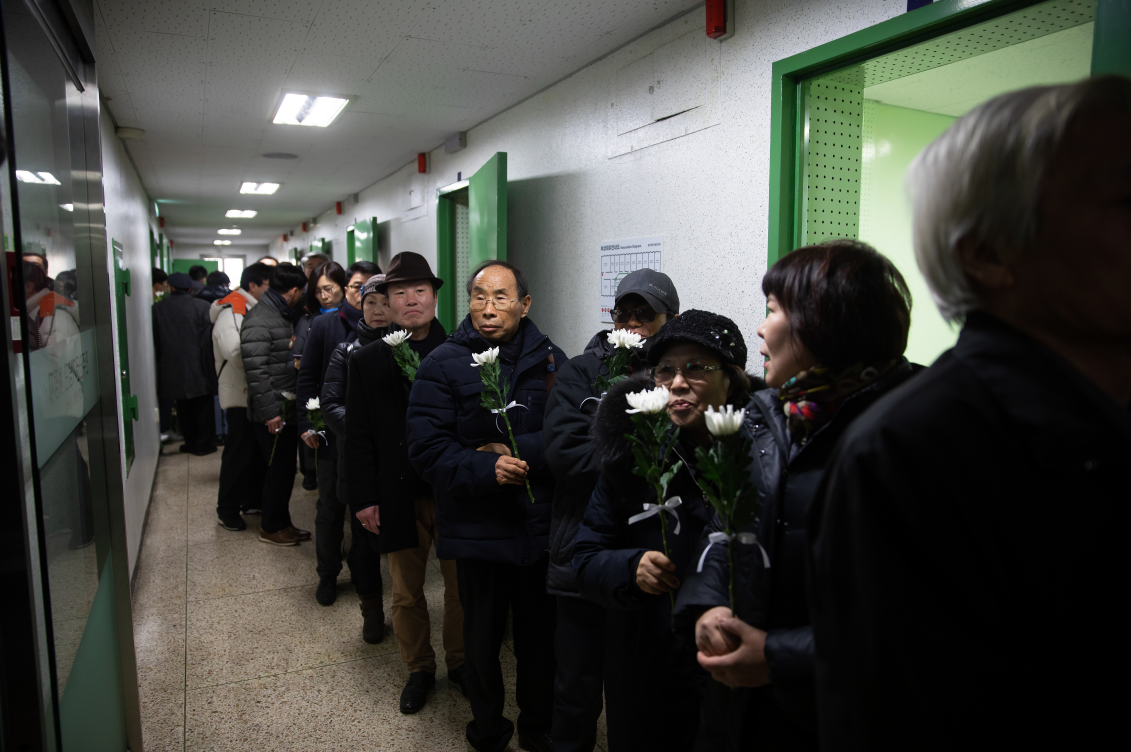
(603, 394)
(496, 413)
(747, 539)
(651, 510)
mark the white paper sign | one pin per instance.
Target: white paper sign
(620, 257)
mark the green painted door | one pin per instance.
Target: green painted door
(361, 241)
(122, 288)
(471, 227)
(183, 265)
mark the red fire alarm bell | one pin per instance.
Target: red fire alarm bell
(720, 19)
(338, 207)
(422, 162)
(304, 226)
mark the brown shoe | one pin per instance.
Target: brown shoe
(373, 616)
(299, 533)
(281, 538)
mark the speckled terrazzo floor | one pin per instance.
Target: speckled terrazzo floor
(234, 653)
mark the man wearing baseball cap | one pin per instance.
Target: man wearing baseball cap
(646, 299)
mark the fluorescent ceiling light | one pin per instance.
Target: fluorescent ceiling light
(228, 232)
(42, 178)
(241, 213)
(300, 109)
(259, 189)
(221, 242)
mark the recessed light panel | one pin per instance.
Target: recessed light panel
(301, 109)
(241, 213)
(221, 242)
(226, 231)
(259, 189)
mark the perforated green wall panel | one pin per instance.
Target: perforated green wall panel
(831, 169)
(463, 252)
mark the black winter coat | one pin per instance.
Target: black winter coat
(376, 450)
(176, 321)
(570, 456)
(642, 650)
(478, 518)
(326, 333)
(786, 474)
(265, 345)
(333, 397)
(969, 545)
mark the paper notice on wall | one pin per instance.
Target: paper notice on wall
(620, 257)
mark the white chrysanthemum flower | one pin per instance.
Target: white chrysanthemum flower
(314, 403)
(485, 358)
(626, 339)
(724, 422)
(649, 402)
(394, 339)
(289, 396)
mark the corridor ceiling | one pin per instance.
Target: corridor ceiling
(202, 79)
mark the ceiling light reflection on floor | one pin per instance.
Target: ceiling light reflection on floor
(301, 109)
(42, 178)
(259, 189)
(221, 242)
(241, 213)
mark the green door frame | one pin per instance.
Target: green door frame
(487, 229)
(908, 29)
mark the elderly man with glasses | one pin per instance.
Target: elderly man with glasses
(487, 521)
(645, 301)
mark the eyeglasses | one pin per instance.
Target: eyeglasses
(354, 287)
(645, 315)
(692, 372)
(501, 303)
(325, 292)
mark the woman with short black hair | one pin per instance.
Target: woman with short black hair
(836, 327)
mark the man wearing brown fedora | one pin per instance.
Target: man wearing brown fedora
(392, 502)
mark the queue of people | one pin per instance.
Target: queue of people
(919, 543)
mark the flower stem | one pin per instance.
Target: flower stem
(664, 532)
(730, 560)
(514, 444)
(273, 445)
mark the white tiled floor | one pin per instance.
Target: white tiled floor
(234, 653)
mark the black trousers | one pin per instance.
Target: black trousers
(279, 480)
(487, 590)
(242, 467)
(363, 558)
(198, 423)
(579, 647)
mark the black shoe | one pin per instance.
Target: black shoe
(235, 522)
(310, 482)
(327, 591)
(205, 451)
(373, 618)
(539, 743)
(415, 693)
(220, 437)
(184, 448)
(456, 676)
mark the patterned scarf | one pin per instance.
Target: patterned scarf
(811, 398)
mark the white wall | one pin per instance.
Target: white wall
(128, 221)
(705, 192)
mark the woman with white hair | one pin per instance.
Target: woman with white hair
(968, 542)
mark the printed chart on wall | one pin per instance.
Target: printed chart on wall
(620, 257)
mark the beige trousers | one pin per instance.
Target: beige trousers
(410, 609)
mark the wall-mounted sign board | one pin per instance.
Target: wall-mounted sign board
(619, 257)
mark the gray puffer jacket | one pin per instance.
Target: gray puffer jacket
(265, 343)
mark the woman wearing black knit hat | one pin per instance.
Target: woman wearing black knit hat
(652, 683)
(834, 336)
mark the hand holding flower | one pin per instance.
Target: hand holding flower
(654, 574)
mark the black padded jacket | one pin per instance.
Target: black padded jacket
(568, 451)
(787, 475)
(265, 345)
